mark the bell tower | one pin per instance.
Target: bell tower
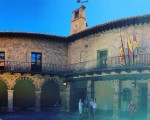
(78, 22)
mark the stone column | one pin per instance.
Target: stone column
(63, 101)
(38, 101)
(68, 97)
(10, 100)
(116, 99)
(90, 89)
(135, 91)
(148, 101)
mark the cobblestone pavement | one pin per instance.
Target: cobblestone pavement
(48, 115)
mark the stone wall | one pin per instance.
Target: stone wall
(85, 49)
(104, 97)
(19, 49)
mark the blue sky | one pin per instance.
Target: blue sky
(54, 16)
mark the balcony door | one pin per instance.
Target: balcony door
(2, 60)
(102, 59)
(36, 62)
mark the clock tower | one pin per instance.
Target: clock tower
(78, 22)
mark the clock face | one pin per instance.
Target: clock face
(75, 26)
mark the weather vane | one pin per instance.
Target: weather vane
(82, 1)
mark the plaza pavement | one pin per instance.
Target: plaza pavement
(48, 115)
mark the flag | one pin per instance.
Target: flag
(129, 44)
(135, 48)
(121, 51)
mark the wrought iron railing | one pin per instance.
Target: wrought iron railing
(142, 60)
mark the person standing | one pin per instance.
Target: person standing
(94, 108)
(80, 109)
(132, 109)
(91, 107)
(86, 108)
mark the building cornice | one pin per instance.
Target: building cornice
(143, 19)
(32, 35)
(111, 25)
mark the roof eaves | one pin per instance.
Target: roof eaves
(111, 25)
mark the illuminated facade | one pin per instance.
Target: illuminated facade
(88, 61)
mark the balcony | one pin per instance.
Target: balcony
(29, 67)
(112, 64)
(142, 62)
(112, 68)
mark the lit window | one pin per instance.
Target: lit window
(2, 60)
(36, 62)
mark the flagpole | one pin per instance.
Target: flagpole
(123, 48)
(133, 50)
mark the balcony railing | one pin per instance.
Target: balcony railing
(112, 63)
(141, 61)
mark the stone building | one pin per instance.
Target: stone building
(41, 69)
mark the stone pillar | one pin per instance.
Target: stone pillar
(68, 97)
(10, 100)
(116, 99)
(63, 101)
(135, 95)
(38, 101)
(148, 101)
(90, 89)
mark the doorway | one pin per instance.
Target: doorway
(142, 106)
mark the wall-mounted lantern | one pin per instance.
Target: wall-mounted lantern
(65, 83)
(134, 83)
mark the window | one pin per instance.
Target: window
(2, 60)
(76, 14)
(36, 62)
(102, 59)
(127, 94)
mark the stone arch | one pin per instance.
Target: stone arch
(5, 81)
(51, 98)
(24, 78)
(3, 95)
(24, 93)
(58, 80)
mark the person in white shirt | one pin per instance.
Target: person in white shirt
(94, 108)
(80, 108)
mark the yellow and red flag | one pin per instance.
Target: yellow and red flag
(135, 47)
(121, 51)
(129, 44)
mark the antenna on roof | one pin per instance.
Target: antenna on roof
(82, 1)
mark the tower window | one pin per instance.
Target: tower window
(76, 14)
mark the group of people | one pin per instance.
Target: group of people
(86, 107)
(89, 106)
